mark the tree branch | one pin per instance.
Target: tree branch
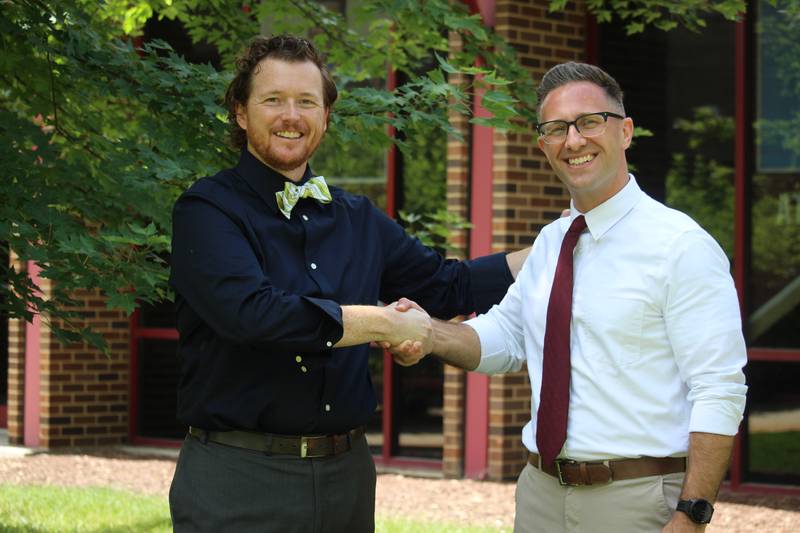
(311, 14)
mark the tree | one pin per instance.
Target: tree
(697, 183)
(100, 136)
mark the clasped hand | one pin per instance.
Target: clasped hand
(412, 339)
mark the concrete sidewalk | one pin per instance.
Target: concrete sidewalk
(11, 451)
(8, 451)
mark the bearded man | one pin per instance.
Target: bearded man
(276, 277)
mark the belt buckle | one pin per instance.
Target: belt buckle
(607, 464)
(304, 453)
(560, 475)
(303, 447)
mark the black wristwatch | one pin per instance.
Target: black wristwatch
(698, 510)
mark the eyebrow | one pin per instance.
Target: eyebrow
(278, 92)
(581, 114)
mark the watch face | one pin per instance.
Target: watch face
(701, 511)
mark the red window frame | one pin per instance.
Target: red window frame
(138, 333)
(743, 166)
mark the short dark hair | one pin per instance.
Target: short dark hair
(571, 72)
(285, 48)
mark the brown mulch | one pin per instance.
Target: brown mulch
(445, 500)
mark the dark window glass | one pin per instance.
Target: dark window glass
(774, 303)
(772, 440)
(778, 98)
(156, 387)
(666, 80)
(774, 290)
(160, 315)
(418, 395)
(375, 426)
(416, 409)
(417, 429)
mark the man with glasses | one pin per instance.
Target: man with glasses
(628, 319)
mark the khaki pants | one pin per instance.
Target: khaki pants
(633, 505)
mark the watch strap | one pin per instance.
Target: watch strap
(698, 510)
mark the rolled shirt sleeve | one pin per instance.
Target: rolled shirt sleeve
(704, 327)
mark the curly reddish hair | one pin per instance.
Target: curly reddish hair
(285, 48)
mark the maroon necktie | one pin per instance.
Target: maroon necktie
(551, 420)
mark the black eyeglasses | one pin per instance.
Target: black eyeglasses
(588, 125)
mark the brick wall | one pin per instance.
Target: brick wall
(16, 373)
(526, 196)
(453, 422)
(83, 392)
(458, 161)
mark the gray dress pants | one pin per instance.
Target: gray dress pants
(220, 488)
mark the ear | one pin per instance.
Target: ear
(627, 132)
(241, 116)
(540, 142)
(327, 118)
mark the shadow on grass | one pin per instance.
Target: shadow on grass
(160, 524)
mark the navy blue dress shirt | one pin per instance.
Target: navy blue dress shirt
(258, 300)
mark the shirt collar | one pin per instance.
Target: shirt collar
(603, 217)
(264, 180)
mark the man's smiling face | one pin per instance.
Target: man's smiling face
(285, 117)
(593, 169)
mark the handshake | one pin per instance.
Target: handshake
(406, 330)
(410, 336)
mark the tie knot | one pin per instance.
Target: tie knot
(578, 225)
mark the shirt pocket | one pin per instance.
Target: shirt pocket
(611, 328)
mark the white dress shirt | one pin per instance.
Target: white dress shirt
(656, 343)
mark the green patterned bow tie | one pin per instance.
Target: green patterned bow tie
(314, 188)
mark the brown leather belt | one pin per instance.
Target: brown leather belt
(272, 444)
(577, 474)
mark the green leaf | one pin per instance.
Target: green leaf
(447, 67)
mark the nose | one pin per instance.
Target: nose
(290, 110)
(574, 139)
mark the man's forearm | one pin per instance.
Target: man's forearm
(709, 457)
(362, 324)
(456, 344)
(365, 323)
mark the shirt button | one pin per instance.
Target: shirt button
(303, 369)
(329, 344)
(313, 266)
(298, 358)
(327, 407)
(305, 218)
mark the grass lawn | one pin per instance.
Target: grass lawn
(43, 509)
(777, 452)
